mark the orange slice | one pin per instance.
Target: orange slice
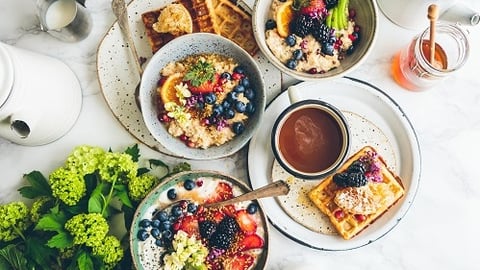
(167, 91)
(283, 18)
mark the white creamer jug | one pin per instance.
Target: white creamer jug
(40, 97)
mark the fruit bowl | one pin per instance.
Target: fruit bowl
(297, 37)
(216, 238)
(202, 96)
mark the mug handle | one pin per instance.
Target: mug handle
(293, 94)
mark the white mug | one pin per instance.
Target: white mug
(40, 97)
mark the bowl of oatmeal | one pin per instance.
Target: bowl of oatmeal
(202, 96)
(315, 39)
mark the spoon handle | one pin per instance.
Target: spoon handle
(119, 8)
(276, 188)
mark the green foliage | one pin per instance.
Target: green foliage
(201, 72)
(69, 220)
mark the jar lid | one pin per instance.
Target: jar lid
(6, 74)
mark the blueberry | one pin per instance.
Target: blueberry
(240, 106)
(252, 208)
(166, 225)
(160, 242)
(239, 70)
(270, 24)
(245, 82)
(168, 235)
(155, 232)
(297, 54)
(226, 104)
(189, 184)
(239, 88)
(238, 128)
(191, 208)
(229, 113)
(142, 235)
(250, 109)
(172, 194)
(210, 98)
(328, 48)
(176, 211)
(292, 63)
(226, 75)
(200, 105)
(232, 96)
(217, 110)
(156, 223)
(162, 215)
(145, 223)
(249, 93)
(350, 49)
(291, 40)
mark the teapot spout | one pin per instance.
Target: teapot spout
(460, 13)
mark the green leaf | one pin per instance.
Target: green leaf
(134, 152)
(84, 261)
(121, 193)
(156, 162)
(40, 253)
(181, 167)
(200, 72)
(52, 222)
(141, 171)
(61, 240)
(12, 258)
(96, 200)
(38, 186)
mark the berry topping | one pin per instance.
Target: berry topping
(339, 214)
(291, 63)
(360, 217)
(250, 242)
(172, 194)
(207, 228)
(270, 24)
(303, 25)
(245, 221)
(223, 191)
(239, 261)
(228, 225)
(252, 208)
(238, 128)
(331, 3)
(189, 184)
(291, 40)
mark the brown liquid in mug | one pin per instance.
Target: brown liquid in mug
(310, 140)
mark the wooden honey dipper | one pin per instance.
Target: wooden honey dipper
(432, 16)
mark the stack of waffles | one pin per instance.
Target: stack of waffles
(352, 209)
(221, 17)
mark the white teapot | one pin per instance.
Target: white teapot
(40, 97)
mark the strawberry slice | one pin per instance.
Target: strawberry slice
(314, 8)
(246, 222)
(223, 191)
(205, 87)
(188, 224)
(250, 242)
(239, 261)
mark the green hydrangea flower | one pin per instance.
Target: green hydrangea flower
(89, 229)
(40, 207)
(85, 159)
(67, 185)
(117, 167)
(109, 250)
(14, 220)
(139, 187)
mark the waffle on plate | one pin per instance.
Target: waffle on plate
(213, 16)
(362, 191)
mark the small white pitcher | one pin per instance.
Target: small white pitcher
(40, 97)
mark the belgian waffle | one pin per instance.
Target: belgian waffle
(349, 224)
(203, 19)
(235, 24)
(213, 16)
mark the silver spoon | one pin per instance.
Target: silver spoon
(276, 188)
(119, 8)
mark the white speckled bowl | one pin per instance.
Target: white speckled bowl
(178, 49)
(366, 17)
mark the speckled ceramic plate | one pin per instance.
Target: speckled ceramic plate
(146, 254)
(118, 76)
(374, 119)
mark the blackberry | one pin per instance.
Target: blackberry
(207, 228)
(357, 166)
(228, 225)
(221, 240)
(341, 179)
(323, 33)
(302, 25)
(329, 4)
(357, 179)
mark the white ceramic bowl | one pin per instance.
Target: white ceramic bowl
(366, 18)
(178, 49)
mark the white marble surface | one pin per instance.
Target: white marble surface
(439, 232)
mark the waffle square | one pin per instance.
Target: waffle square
(349, 224)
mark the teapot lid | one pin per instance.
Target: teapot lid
(6, 74)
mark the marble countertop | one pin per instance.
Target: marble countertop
(440, 231)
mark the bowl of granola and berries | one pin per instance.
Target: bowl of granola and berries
(202, 96)
(174, 229)
(315, 39)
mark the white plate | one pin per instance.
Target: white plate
(358, 98)
(118, 75)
